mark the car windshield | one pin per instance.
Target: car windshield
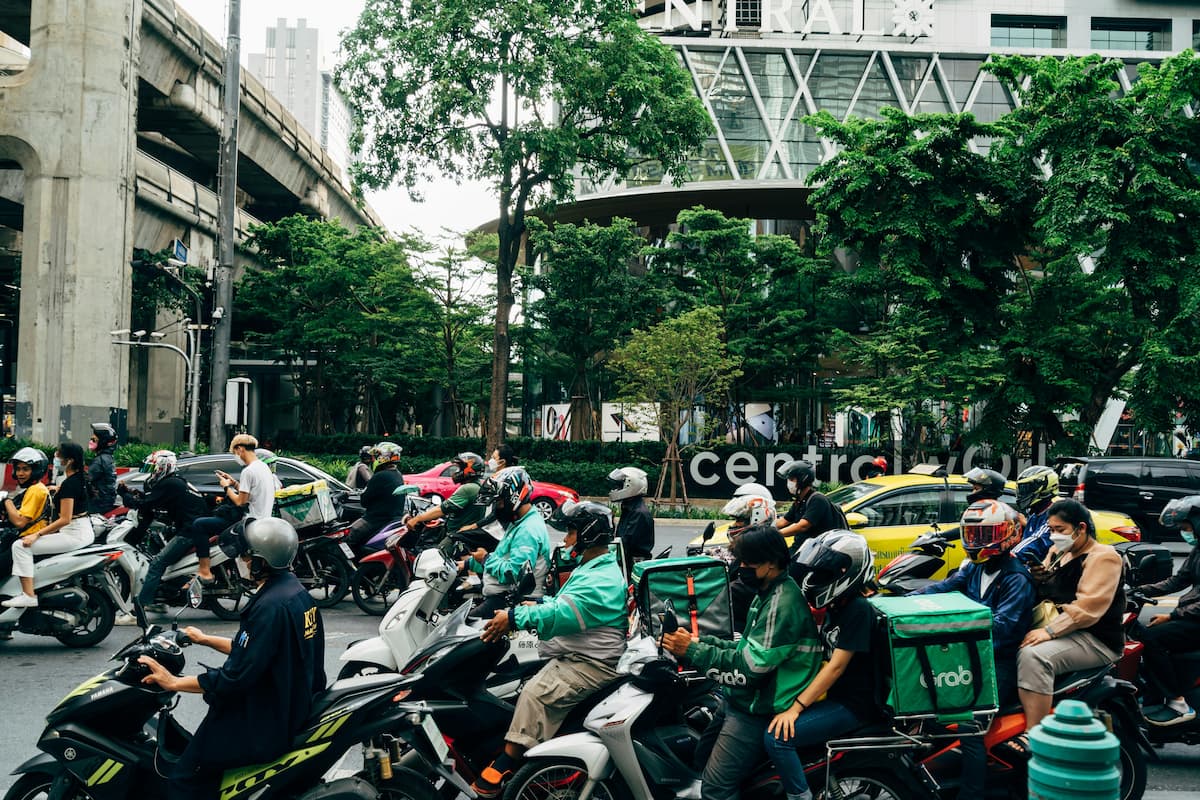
(848, 494)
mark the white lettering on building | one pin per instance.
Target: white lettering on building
(910, 18)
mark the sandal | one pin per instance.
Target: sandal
(1019, 746)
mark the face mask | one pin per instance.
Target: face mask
(749, 576)
(1188, 537)
(505, 514)
(243, 568)
(793, 485)
(1062, 541)
(493, 465)
(58, 464)
(92, 446)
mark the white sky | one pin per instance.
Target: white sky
(446, 204)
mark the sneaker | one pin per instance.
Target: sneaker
(490, 782)
(21, 601)
(1164, 716)
(125, 619)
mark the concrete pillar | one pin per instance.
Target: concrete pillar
(69, 120)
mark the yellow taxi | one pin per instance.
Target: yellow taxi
(892, 510)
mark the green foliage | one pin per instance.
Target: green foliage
(525, 94)
(589, 298)
(346, 314)
(156, 290)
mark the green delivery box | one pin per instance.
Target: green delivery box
(696, 586)
(939, 648)
(306, 505)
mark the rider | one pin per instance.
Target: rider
(837, 566)
(382, 502)
(1178, 632)
(102, 472)
(29, 509)
(877, 467)
(581, 630)
(168, 492)
(812, 513)
(746, 509)
(251, 494)
(995, 577)
(276, 664)
(461, 507)
(1037, 488)
(635, 528)
(360, 474)
(525, 541)
(764, 670)
(986, 484)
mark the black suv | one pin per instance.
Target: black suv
(1139, 487)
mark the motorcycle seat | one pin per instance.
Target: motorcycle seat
(1065, 684)
(349, 687)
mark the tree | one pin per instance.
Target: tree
(590, 297)
(526, 94)
(457, 281)
(344, 312)
(677, 363)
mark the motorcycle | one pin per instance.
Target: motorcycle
(912, 571)
(325, 563)
(384, 574)
(1186, 664)
(114, 737)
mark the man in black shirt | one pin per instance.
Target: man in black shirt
(811, 513)
(635, 528)
(167, 492)
(380, 501)
(260, 698)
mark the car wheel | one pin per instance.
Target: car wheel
(545, 506)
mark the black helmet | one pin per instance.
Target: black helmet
(1180, 510)
(34, 458)
(802, 472)
(270, 542)
(835, 564)
(592, 523)
(105, 434)
(989, 484)
(470, 467)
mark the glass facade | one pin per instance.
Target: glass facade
(1028, 33)
(1112, 33)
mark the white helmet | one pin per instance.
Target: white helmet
(626, 482)
(749, 510)
(837, 562)
(756, 489)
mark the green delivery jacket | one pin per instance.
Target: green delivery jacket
(778, 655)
(587, 616)
(525, 541)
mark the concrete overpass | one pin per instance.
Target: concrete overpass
(108, 142)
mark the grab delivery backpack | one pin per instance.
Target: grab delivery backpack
(939, 651)
(697, 587)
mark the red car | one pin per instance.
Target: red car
(436, 484)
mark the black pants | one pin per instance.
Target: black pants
(1163, 640)
(488, 608)
(360, 533)
(176, 549)
(204, 529)
(974, 754)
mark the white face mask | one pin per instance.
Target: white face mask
(793, 485)
(1062, 541)
(493, 465)
(243, 568)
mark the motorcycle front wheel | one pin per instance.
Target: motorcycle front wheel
(375, 587)
(96, 625)
(325, 573)
(34, 786)
(560, 780)
(226, 596)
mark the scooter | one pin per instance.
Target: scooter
(384, 574)
(1186, 664)
(114, 737)
(325, 563)
(912, 571)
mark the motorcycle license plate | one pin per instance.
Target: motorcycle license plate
(346, 551)
(435, 737)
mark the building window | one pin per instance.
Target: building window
(1112, 33)
(748, 13)
(1196, 34)
(1028, 33)
(270, 38)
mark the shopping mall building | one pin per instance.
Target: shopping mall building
(761, 66)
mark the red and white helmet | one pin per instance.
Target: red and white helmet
(748, 510)
(159, 464)
(989, 529)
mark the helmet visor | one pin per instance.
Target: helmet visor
(981, 535)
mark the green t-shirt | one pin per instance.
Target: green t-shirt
(460, 509)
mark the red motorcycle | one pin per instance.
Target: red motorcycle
(384, 574)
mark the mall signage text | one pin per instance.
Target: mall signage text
(823, 16)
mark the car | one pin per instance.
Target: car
(890, 511)
(1137, 486)
(200, 472)
(437, 483)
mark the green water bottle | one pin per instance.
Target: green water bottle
(1074, 757)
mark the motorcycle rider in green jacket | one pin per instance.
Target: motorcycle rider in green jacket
(778, 655)
(525, 539)
(582, 630)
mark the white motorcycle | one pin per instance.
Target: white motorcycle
(415, 615)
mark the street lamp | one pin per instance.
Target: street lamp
(192, 362)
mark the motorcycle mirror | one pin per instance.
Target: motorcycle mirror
(526, 582)
(195, 593)
(139, 614)
(709, 530)
(670, 622)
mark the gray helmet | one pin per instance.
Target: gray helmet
(802, 472)
(1181, 510)
(592, 522)
(270, 539)
(626, 482)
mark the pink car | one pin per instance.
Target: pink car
(436, 484)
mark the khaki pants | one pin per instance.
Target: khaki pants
(1038, 664)
(551, 694)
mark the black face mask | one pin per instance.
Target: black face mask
(504, 514)
(748, 576)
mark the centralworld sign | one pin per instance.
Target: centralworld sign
(909, 18)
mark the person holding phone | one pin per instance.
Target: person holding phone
(251, 494)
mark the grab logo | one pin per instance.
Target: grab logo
(962, 677)
(734, 678)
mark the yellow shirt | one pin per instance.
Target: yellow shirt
(33, 506)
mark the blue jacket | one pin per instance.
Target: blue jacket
(1035, 542)
(1010, 597)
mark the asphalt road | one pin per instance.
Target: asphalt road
(38, 672)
